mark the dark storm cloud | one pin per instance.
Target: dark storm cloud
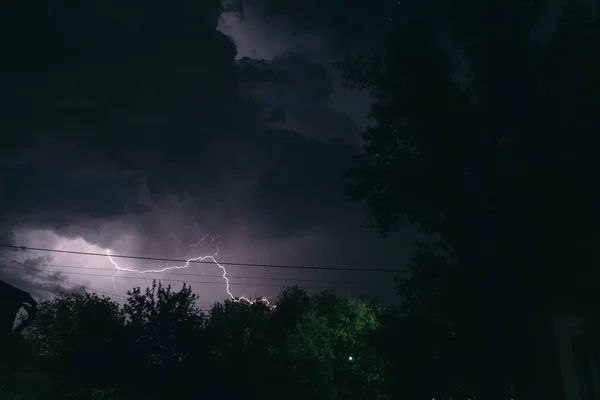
(320, 33)
(134, 118)
(101, 97)
(298, 93)
(346, 21)
(98, 95)
(299, 189)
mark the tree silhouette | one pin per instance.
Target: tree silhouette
(237, 349)
(487, 138)
(330, 351)
(158, 343)
(80, 337)
(163, 322)
(163, 327)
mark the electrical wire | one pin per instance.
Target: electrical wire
(212, 275)
(172, 280)
(203, 262)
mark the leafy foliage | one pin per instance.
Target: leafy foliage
(330, 345)
(80, 336)
(162, 322)
(158, 342)
(481, 139)
(484, 134)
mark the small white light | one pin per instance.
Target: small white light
(350, 358)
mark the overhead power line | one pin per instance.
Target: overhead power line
(211, 275)
(83, 253)
(172, 280)
(204, 308)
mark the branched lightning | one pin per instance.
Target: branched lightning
(210, 257)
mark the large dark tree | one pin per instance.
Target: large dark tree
(163, 327)
(485, 132)
(140, 349)
(80, 337)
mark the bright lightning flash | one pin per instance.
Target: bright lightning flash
(210, 257)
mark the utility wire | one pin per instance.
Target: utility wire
(202, 262)
(59, 278)
(203, 308)
(211, 275)
(171, 280)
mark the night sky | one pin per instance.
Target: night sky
(141, 126)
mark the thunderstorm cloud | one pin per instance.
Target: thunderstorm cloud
(140, 126)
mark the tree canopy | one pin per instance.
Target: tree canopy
(158, 343)
(484, 132)
(480, 133)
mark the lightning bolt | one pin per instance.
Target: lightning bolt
(210, 257)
